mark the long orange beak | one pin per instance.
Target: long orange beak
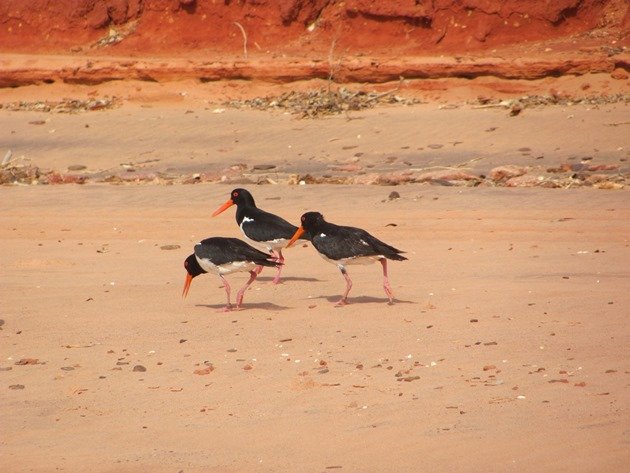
(297, 235)
(187, 285)
(227, 205)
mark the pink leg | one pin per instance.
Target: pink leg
(386, 286)
(228, 307)
(279, 259)
(241, 293)
(344, 298)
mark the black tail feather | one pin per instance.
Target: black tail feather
(395, 256)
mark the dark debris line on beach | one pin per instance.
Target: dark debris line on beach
(63, 106)
(327, 101)
(322, 102)
(566, 175)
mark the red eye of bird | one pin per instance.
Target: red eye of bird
(235, 194)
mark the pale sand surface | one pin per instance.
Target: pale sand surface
(543, 271)
(180, 139)
(530, 284)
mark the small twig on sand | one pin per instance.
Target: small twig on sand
(382, 94)
(432, 168)
(240, 27)
(387, 92)
(502, 104)
(455, 167)
(14, 161)
(468, 163)
(7, 158)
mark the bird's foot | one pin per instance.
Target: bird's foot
(227, 308)
(276, 280)
(342, 302)
(389, 293)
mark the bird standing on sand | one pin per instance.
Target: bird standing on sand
(263, 229)
(347, 245)
(221, 256)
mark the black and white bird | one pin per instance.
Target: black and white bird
(347, 245)
(263, 229)
(220, 255)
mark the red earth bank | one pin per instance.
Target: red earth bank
(403, 27)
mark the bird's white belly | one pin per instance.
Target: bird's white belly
(354, 260)
(267, 246)
(226, 268)
(277, 244)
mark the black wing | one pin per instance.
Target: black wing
(266, 226)
(379, 247)
(350, 242)
(221, 250)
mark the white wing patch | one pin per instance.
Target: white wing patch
(322, 235)
(244, 221)
(363, 242)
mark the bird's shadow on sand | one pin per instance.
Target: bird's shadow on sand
(365, 300)
(247, 305)
(288, 278)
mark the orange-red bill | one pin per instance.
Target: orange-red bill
(189, 279)
(296, 235)
(227, 205)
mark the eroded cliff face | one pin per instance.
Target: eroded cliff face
(296, 27)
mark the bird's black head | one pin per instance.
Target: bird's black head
(193, 269)
(309, 225)
(242, 197)
(311, 220)
(192, 266)
(239, 197)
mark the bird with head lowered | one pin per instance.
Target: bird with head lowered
(220, 255)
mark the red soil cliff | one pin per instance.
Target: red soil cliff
(296, 27)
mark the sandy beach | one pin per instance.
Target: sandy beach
(487, 140)
(506, 348)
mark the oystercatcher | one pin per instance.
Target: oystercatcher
(347, 245)
(263, 229)
(221, 256)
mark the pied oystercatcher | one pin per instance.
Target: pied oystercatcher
(347, 245)
(263, 229)
(220, 255)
